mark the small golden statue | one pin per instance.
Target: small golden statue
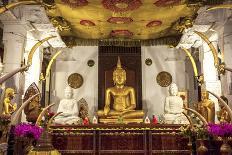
(223, 115)
(206, 107)
(8, 107)
(124, 102)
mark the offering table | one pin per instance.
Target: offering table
(137, 139)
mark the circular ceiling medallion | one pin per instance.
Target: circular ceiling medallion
(164, 3)
(87, 23)
(121, 33)
(154, 23)
(120, 20)
(75, 3)
(121, 5)
(164, 79)
(75, 80)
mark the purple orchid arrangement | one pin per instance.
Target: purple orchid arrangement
(221, 130)
(28, 130)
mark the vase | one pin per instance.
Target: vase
(202, 149)
(225, 148)
(44, 146)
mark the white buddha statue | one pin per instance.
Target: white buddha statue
(69, 109)
(174, 107)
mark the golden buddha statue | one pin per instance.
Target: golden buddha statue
(206, 107)
(124, 102)
(8, 107)
(223, 115)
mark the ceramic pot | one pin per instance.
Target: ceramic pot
(225, 148)
(202, 149)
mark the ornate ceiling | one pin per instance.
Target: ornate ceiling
(120, 20)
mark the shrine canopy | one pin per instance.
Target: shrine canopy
(134, 20)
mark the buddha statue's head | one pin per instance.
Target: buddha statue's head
(10, 93)
(119, 74)
(204, 95)
(68, 93)
(173, 89)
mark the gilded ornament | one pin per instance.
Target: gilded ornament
(75, 80)
(128, 14)
(87, 23)
(61, 24)
(120, 20)
(221, 68)
(184, 23)
(164, 79)
(154, 23)
(90, 63)
(165, 3)
(121, 33)
(121, 5)
(75, 3)
(148, 62)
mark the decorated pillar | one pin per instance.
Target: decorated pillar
(14, 39)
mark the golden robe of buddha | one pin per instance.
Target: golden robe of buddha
(8, 107)
(206, 107)
(124, 102)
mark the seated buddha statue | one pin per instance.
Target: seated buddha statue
(174, 107)
(69, 109)
(206, 107)
(123, 101)
(223, 115)
(8, 107)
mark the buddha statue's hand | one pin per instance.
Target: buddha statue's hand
(127, 110)
(106, 111)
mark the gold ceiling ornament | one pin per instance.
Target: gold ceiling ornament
(184, 23)
(75, 80)
(15, 4)
(164, 79)
(33, 49)
(71, 41)
(222, 6)
(211, 46)
(120, 20)
(61, 24)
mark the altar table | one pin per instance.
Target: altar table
(136, 139)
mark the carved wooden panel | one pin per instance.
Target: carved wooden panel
(131, 62)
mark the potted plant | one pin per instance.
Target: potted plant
(26, 134)
(223, 130)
